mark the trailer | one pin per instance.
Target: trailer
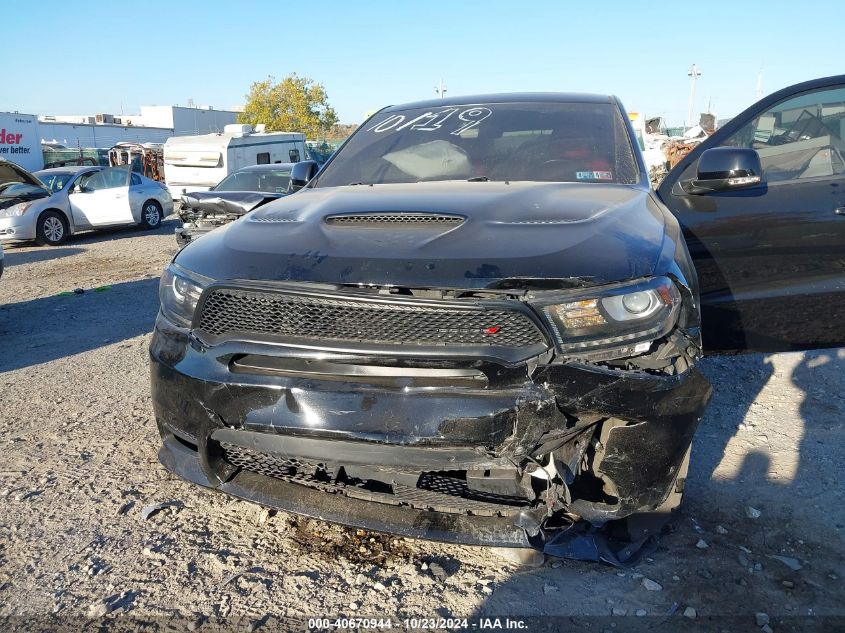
(197, 163)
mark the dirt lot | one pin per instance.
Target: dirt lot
(79, 445)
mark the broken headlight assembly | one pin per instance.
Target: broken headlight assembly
(179, 292)
(625, 318)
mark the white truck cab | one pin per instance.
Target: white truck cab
(197, 163)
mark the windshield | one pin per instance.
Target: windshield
(548, 142)
(55, 181)
(270, 181)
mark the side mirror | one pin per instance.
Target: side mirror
(301, 173)
(726, 169)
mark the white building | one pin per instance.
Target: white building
(155, 124)
(185, 121)
(100, 134)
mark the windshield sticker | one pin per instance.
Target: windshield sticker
(463, 120)
(594, 175)
(429, 121)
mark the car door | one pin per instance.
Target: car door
(139, 193)
(101, 198)
(771, 258)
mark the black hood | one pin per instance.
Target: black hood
(482, 234)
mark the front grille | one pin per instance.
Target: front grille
(313, 318)
(409, 219)
(454, 486)
(433, 491)
(277, 466)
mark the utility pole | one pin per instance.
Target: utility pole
(693, 73)
(440, 89)
(759, 92)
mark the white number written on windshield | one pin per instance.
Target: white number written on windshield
(462, 119)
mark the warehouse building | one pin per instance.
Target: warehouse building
(155, 124)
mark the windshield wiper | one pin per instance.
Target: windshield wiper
(478, 179)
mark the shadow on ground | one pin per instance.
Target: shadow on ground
(15, 257)
(44, 329)
(122, 232)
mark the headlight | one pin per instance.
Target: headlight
(179, 292)
(15, 210)
(632, 314)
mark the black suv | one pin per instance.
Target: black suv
(477, 323)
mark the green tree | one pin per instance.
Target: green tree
(295, 104)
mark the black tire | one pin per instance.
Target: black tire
(151, 215)
(51, 229)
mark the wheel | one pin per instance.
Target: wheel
(151, 215)
(51, 229)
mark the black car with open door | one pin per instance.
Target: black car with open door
(762, 207)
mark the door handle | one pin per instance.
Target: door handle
(839, 210)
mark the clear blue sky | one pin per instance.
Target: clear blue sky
(87, 57)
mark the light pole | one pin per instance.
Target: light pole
(440, 89)
(693, 73)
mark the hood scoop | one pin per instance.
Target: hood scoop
(395, 220)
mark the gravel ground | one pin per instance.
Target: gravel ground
(79, 445)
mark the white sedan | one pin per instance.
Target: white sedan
(82, 198)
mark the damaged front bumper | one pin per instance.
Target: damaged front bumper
(195, 224)
(467, 451)
(204, 211)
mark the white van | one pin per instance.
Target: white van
(197, 163)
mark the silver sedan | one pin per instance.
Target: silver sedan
(82, 198)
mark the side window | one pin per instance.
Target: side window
(116, 176)
(801, 137)
(107, 178)
(136, 180)
(92, 182)
(293, 155)
(263, 158)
